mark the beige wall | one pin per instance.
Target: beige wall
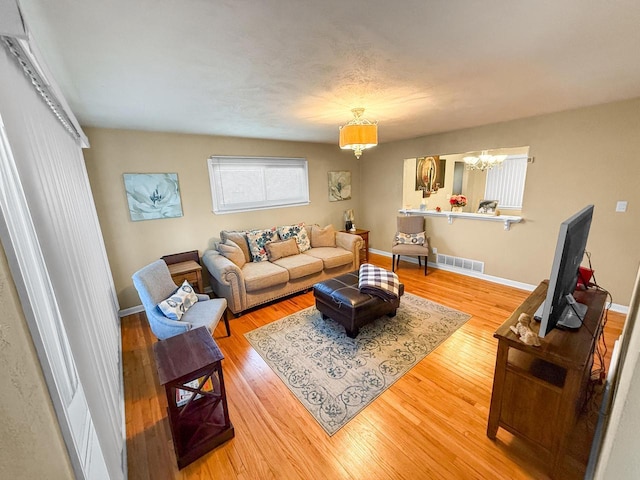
(583, 156)
(31, 445)
(131, 245)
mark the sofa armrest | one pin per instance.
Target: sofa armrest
(226, 279)
(352, 243)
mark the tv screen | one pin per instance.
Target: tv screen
(560, 308)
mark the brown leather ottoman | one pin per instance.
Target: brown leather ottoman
(339, 299)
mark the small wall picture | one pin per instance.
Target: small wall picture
(489, 207)
(152, 195)
(339, 186)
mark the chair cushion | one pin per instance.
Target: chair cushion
(408, 249)
(240, 239)
(259, 275)
(300, 266)
(323, 237)
(299, 232)
(331, 257)
(232, 251)
(257, 242)
(285, 248)
(207, 313)
(177, 304)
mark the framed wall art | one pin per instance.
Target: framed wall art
(339, 186)
(152, 195)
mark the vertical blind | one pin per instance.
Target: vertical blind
(51, 170)
(506, 183)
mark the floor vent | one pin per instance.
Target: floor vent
(460, 263)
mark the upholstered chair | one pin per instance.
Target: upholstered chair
(410, 240)
(154, 284)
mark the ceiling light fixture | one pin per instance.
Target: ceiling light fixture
(484, 161)
(359, 133)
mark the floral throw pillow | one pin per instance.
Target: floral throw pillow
(409, 238)
(299, 232)
(177, 304)
(257, 240)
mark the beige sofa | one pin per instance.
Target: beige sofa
(246, 281)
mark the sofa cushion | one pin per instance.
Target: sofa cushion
(300, 266)
(257, 241)
(259, 275)
(232, 251)
(285, 248)
(323, 237)
(331, 256)
(240, 239)
(299, 232)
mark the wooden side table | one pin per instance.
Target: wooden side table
(189, 366)
(190, 271)
(364, 234)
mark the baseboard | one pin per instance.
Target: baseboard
(489, 278)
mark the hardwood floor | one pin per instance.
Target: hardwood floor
(429, 424)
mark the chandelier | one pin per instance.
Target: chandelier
(483, 162)
(359, 133)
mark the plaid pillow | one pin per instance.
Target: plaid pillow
(378, 281)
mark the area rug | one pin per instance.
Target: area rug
(335, 376)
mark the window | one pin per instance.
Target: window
(240, 184)
(506, 183)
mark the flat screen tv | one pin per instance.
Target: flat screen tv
(560, 308)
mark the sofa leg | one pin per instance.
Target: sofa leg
(353, 333)
(425, 266)
(393, 263)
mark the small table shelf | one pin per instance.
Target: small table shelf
(507, 220)
(190, 271)
(189, 366)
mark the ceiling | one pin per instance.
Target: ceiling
(293, 69)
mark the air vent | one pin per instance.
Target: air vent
(460, 263)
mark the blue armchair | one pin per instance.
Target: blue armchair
(154, 284)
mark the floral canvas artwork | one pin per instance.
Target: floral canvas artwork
(339, 186)
(152, 195)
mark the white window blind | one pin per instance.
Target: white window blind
(506, 183)
(240, 184)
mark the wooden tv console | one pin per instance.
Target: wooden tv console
(538, 392)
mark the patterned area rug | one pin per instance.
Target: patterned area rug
(335, 376)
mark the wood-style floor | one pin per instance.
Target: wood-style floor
(429, 424)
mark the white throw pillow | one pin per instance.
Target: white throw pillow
(177, 304)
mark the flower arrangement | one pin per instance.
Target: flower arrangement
(458, 200)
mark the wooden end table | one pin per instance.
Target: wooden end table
(190, 271)
(189, 366)
(364, 251)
